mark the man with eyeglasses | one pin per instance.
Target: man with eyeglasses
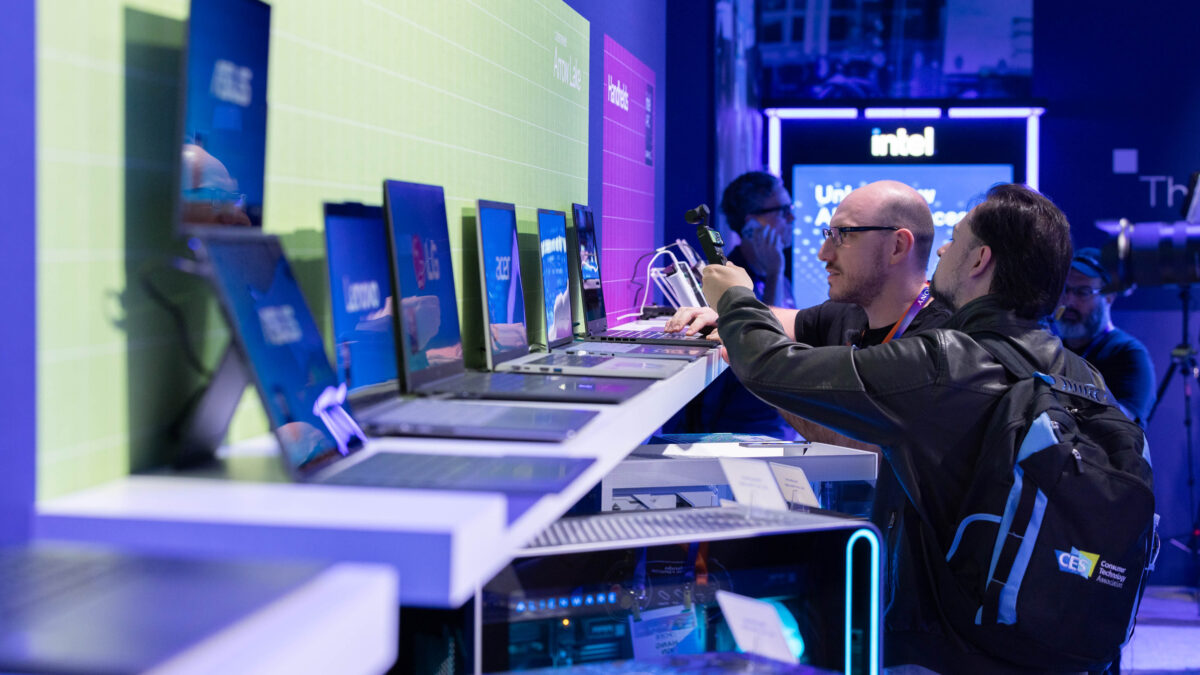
(759, 209)
(876, 251)
(1085, 325)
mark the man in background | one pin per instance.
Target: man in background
(1086, 328)
(759, 209)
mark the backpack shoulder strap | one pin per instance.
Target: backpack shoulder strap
(1079, 380)
(998, 346)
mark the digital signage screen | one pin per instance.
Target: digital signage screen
(817, 189)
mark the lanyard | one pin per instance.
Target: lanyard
(923, 299)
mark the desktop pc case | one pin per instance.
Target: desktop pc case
(599, 590)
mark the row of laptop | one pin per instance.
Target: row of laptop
(400, 355)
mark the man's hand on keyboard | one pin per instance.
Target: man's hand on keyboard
(692, 320)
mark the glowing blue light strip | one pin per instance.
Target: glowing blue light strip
(1032, 130)
(774, 151)
(812, 113)
(902, 113)
(992, 113)
(874, 653)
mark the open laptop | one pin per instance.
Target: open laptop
(429, 339)
(360, 294)
(560, 312)
(320, 441)
(507, 347)
(585, 267)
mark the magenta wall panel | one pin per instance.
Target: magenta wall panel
(627, 171)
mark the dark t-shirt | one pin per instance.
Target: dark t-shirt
(727, 406)
(839, 323)
(1127, 369)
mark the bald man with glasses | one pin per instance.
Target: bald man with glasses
(876, 252)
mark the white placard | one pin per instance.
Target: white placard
(663, 631)
(756, 626)
(794, 485)
(753, 484)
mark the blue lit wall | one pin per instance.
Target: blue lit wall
(1113, 79)
(18, 392)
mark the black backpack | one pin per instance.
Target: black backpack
(1057, 531)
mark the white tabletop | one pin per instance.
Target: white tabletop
(443, 543)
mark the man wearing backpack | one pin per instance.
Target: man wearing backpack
(932, 402)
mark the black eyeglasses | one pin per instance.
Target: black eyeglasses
(785, 210)
(837, 234)
(1081, 292)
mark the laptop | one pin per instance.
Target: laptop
(503, 309)
(585, 267)
(360, 293)
(74, 608)
(560, 312)
(320, 440)
(429, 343)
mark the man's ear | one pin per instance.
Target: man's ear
(902, 244)
(981, 260)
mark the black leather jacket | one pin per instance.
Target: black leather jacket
(926, 400)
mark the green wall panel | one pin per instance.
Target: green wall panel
(460, 93)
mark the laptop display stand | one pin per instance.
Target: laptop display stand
(204, 428)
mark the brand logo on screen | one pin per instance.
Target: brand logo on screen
(554, 245)
(503, 267)
(231, 82)
(902, 143)
(362, 296)
(618, 94)
(279, 325)
(425, 261)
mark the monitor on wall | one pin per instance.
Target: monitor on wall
(950, 156)
(224, 116)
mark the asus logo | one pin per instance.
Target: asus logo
(231, 83)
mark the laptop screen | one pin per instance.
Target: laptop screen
(501, 272)
(224, 141)
(589, 267)
(552, 240)
(280, 341)
(419, 240)
(360, 290)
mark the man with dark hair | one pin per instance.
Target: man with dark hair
(759, 209)
(926, 399)
(1086, 328)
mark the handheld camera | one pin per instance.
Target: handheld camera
(710, 239)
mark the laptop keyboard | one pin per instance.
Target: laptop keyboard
(448, 413)
(649, 334)
(577, 360)
(461, 472)
(503, 381)
(27, 580)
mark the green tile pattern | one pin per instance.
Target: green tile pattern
(461, 93)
